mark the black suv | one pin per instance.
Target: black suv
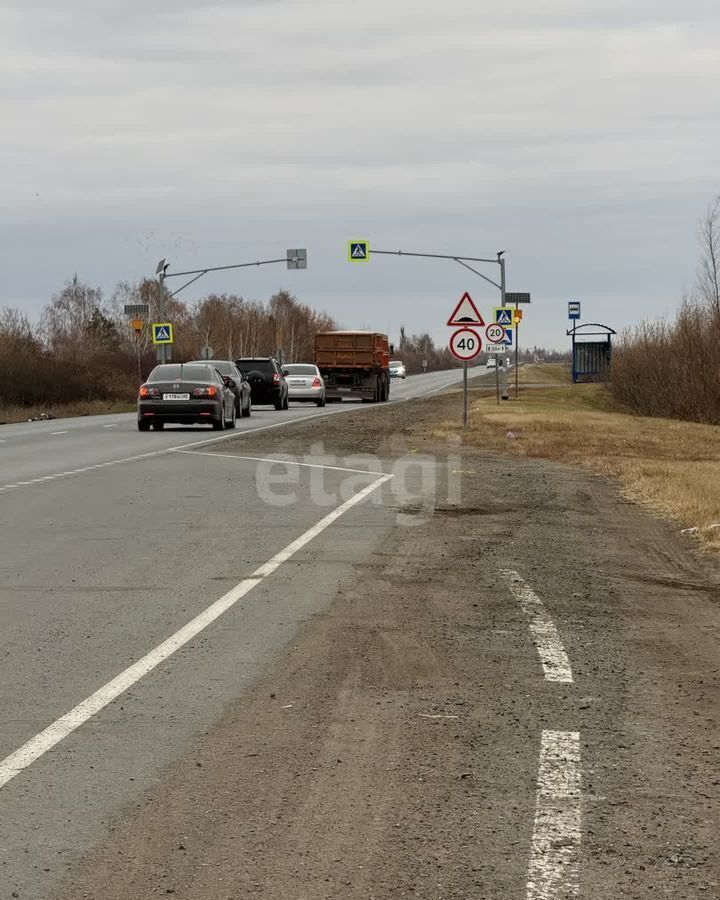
(267, 382)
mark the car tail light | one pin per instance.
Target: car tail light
(317, 382)
(210, 391)
(146, 391)
(276, 378)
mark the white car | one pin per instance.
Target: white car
(491, 363)
(305, 383)
(397, 368)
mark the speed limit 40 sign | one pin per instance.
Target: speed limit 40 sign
(465, 344)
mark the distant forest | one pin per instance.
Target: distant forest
(83, 347)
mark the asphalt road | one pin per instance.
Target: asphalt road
(38, 450)
(112, 541)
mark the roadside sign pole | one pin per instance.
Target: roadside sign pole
(161, 306)
(497, 381)
(465, 394)
(517, 341)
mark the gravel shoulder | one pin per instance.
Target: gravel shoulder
(393, 751)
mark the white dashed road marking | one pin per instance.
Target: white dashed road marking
(553, 657)
(553, 868)
(65, 725)
(58, 432)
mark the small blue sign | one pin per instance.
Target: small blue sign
(573, 309)
(509, 336)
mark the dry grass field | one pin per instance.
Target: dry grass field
(669, 466)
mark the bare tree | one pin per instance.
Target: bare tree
(709, 274)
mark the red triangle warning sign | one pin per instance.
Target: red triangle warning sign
(466, 313)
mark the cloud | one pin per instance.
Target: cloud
(582, 136)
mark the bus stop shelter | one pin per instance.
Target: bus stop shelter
(591, 351)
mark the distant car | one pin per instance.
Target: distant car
(491, 363)
(187, 395)
(235, 380)
(305, 383)
(397, 368)
(267, 382)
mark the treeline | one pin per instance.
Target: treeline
(672, 369)
(84, 348)
(416, 349)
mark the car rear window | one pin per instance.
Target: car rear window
(395, 364)
(296, 369)
(176, 373)
(224, 368)
(255, 365)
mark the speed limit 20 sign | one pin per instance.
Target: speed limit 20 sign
(465, 344)
(495, 333)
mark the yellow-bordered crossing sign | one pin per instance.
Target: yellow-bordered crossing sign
(162, 333)
(358, 251)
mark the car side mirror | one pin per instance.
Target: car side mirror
(229, 382)
(285, 371)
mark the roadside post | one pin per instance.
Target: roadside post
(465, 343)
(495, 338)
(517, 297)
(137, 313)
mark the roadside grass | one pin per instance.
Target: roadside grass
(543, 373)
(671, 467)
(9, 414)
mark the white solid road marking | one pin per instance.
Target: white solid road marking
(553, 868)
(555, 662)
(65, 725)
(278, 459)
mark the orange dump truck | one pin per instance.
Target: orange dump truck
(354, 364)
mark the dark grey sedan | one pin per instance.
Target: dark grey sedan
(188, 395)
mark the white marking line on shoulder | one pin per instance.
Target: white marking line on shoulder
(65, 725)
(553, 657)
(553, 867)
(278, 459)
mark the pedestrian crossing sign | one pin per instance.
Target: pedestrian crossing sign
(162, 333)
(358, 251)
(503, 315)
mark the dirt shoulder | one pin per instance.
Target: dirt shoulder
(393, 751)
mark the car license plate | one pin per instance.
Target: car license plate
(176, 396)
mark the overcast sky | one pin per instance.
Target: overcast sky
(580, 136)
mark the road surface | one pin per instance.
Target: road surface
(388, 666)
(112, 541)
